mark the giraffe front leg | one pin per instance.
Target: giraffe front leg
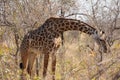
(37, 66)
(53, 65)
(46, 58)
(39, 60)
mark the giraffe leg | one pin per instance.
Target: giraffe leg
(24, 64)
(46, 58)
(53, 65)
(37, 66)
(32, 57)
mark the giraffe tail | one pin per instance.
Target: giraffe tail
(21, 65)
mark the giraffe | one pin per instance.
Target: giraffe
(46, 40)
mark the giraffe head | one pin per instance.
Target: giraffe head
(100, 42)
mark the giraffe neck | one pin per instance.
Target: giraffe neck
(61, 25)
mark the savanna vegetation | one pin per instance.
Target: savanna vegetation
(77, 58)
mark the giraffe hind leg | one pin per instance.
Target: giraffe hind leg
(46, 58)
(31, 61)
(24, 64)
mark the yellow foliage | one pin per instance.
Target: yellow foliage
(117, 46)
(58, 76)
(92, 53)
(1, 52)
(93, 79)
(37, 78)
(4, 49)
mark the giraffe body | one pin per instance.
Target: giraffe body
(46, 40)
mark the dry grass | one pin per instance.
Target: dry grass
(75, 61)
